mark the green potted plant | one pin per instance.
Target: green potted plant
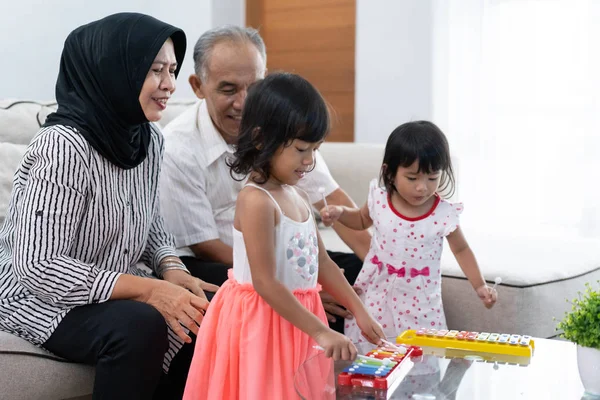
(582, 326)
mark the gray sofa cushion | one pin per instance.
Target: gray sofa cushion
(353, 166)
(20, 120)
(538, 275)
(525, 310)
(31, 373)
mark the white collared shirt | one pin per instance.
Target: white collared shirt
(318, 177)
(197, 192)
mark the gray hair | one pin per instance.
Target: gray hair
(212, 37)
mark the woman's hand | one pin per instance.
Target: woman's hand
(177, 305)
(336, 345)
(332, 308)
(181, 278)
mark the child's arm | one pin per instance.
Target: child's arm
(466, 259)
(358, 241)
(333, 281)
(354, 218)
(255, 213)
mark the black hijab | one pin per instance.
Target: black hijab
(102, 70)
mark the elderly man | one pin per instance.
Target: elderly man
(198, 193)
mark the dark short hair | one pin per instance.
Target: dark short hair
(278, 109)
(420, 141)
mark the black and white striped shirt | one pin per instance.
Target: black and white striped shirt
(75, 222)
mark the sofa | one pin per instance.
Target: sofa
(538, 274)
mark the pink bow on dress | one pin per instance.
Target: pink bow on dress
(400, 272)
(391, 269)
(375, 260)
(416, 272)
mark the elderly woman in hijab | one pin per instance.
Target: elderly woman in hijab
(84, 218)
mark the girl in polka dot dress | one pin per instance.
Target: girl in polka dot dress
(268, 317)
(401, 277)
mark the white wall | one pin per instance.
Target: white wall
(393, 66)
(228, 12)
(32, 33)
(393, 50)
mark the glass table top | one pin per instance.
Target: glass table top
(551, 374)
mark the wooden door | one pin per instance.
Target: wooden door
(315, 39)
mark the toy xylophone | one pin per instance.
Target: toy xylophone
(381, 368)
(477, 342)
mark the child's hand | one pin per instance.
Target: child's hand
(330, 214)
(370, 329)
(487, 295)
(336, 345)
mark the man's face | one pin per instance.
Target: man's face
(231, 68)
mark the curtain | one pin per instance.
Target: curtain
(516, 88)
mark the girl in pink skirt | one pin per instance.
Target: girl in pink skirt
(268, 317)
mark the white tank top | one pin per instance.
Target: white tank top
(296, 250)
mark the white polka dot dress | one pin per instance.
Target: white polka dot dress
(401, 277)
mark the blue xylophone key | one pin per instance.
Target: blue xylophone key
(359, 369)
(514, 339)
(504, 338)
(525, 339)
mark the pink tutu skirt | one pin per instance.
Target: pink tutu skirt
(246, 351)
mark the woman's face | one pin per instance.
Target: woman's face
(160, 83)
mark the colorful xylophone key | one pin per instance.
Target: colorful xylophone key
(380, 368)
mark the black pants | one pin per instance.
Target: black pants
(216, 274)
(352, 266)
(126, 340)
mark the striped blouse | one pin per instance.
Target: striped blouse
(75, 222)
